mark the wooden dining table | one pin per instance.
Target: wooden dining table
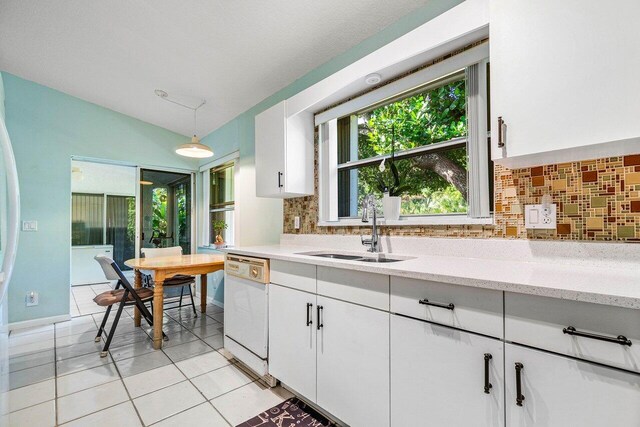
(165, 268)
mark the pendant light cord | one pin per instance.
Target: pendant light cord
(195, 110)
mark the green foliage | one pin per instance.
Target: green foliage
(219, 225)
(159, 206)
(425, 118)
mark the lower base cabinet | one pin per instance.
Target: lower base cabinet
(559, 391)
(439, 375)
(353, 363)
(292, 339)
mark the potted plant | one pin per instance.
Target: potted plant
(390, 186)
(219, 226)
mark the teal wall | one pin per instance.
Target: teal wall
(47, 128)
(239, 133)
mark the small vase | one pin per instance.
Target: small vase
(391, 207)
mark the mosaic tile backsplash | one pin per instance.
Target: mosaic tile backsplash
(597, 200)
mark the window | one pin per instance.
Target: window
(221, 202)
(427, 143)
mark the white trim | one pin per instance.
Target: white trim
(479, 211)
(38, 322)
(423, 77)
(204, 210)
(412, 221)
(133, 164)
(220, 161)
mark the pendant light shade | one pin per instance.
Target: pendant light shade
(194, 149)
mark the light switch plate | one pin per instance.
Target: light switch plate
(31, 225)
(537, 217)
(296, 223)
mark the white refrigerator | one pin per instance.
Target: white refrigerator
(9, 227)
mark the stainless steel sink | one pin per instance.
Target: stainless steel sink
(351, 257)
(379, 260)
(339, 256)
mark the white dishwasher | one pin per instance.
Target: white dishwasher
(246, 311)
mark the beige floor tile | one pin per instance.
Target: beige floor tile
(203, 415)
(80, 363)
(123, 415)
(30, 376)
(42, 415)
(202, 364)
(30, 395)
(167, 402)
(223, 380)
(31, 360)
(187, 350)
(153, 380)
(92, 400)
(246, 402)
(88, 378)
(139, 364)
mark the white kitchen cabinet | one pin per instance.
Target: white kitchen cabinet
(560, 391)
(438, 376)
(353, 362)
(292, 339)
(284, 153)
(564, 80)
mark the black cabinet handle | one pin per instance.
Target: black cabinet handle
(501, 126)
(519, 396)
(437, 304)
(319, 315)
(487, 384)
(309, 321)
(279, 182)
(620, 339)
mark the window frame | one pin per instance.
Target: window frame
(474, 63)
(205, 211)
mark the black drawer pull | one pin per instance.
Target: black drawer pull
(319, 315)
(487, 385)
(519, 396)
(437, 304)
(620, 339)
(309, 321)
(279, 182)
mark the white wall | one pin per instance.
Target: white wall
(103, 178)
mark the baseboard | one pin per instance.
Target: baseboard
(39, 322)
(217, 303)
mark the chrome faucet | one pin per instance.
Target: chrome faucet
(369, 203)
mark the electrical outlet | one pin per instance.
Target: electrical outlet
(296, 223)
(31, 299)
(539, 217)
(31, 225)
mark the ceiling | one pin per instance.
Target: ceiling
(233, 53)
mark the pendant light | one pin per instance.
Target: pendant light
(195, 148)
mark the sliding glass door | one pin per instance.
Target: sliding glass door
(165, 204)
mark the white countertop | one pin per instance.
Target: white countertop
(617, 286)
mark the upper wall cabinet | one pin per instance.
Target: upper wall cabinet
(564, 80)
(284, 153)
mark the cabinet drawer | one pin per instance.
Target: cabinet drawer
(476, 310)
(539, 322)
(294, 275)
(358, 287)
